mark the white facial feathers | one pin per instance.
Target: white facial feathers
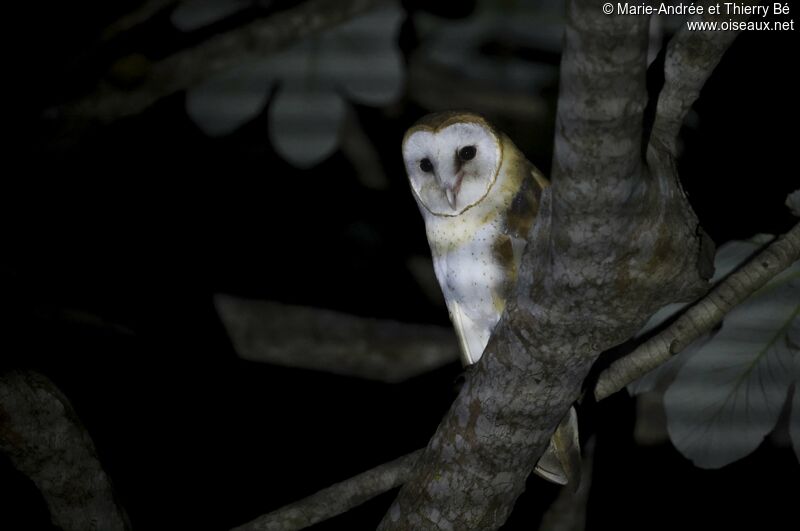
(453, 167)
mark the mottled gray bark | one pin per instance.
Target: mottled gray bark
(44, 439)
(601, 102)
(615, 240)
(189, 67)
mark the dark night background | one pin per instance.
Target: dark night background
(139, 223)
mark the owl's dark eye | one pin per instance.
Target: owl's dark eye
(426, 165)
(467, 153)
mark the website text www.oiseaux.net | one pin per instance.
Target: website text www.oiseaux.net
(716, 11)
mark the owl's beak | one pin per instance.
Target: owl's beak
(452, 192)
(451, 197)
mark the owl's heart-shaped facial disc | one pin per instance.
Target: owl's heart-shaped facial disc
(452, 166)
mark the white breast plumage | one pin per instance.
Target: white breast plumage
(471, 278)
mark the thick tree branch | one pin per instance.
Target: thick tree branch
(217, 54)
(702, 316)
(600, 106)
(44, 439)
(338, 498)
(690, 59)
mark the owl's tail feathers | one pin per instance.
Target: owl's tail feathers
(561, 462)
(472, 338)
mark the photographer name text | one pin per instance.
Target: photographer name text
(721, 8)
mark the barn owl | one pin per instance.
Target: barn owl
(479, 196)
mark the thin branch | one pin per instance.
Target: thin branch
(338, 498)
(144, 12)
(703, 316)
(691, 58)
(325, 340)
(439, 88)
(44, 440)
(189, 67)
(360, 150)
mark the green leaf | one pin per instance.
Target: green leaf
(363, 57)
(358, 59)
(729, 394)
(224, 103)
